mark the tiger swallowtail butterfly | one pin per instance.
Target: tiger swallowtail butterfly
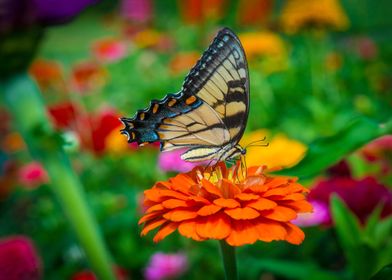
(207, 117)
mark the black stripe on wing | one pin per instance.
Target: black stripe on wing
(225, 48)
(223, 45)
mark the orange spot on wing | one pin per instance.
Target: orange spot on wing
(172, 102)
(190, 100)
(155, 108)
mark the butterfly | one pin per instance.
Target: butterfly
(207, 117)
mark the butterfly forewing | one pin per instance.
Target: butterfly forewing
(220, 78)
(209, 114)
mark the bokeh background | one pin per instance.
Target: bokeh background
(320, 87)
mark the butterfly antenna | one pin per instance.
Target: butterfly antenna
(260, 145)
(254, 142)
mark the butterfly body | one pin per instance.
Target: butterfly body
(208, 116)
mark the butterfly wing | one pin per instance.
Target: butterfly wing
(210, 111)
(220, 78)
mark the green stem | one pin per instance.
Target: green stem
(229, 260)
(29, 114)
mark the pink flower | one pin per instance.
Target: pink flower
(109, 50)
(361, 196)
(366, 48)
(137, 10)
(171, 161)
(380, 151)
(320, 215)
(32, 175)
(166, 266)
(19, 259)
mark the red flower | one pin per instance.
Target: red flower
(361, 196)
(196, 11)
(88, 76)
(121, 274)
(19, 259)
(253, 12)
(63, 114)
(48, 74)
(102, 124)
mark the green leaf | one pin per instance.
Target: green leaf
(362, 258)
(294, 270)
(324, 152)
(371, 225)
(384, 274)
(383, 230)
(347, 224)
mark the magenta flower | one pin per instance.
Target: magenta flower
(361, 196)
(137, 10)
(320, 215)
(166, 266)
(171, 161)
(109, 50)
(19, 259)
(32, 175)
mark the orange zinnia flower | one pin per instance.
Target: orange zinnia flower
(225, 204)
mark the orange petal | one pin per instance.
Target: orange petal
(217, 226)
(163, 185)
(211, 188)
(208, 210)
(150, 225)
(188, 229)
(262, 204)
(300, 206)
(152, 195)
(294, 234)
(276, 182)
(270, 230)
(156, 207)
(175, 194)
(257, 189)
(227, 202)
(256, 182)
(177, 215)
(182, 182)
(281, 214)
(164, 231)
(246, 196)
(293, 196)
(292, 188)
(150, 216)
(242, 233)
(229, 190)
(174, 203)
(245, 213)
(199, 199)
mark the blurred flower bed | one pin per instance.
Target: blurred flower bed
(315, 66)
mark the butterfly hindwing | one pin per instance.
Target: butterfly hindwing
(209, 114)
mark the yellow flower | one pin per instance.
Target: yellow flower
(267, 45)
(115, 144)
(147, 38)
(262, 43)
(298, 14)
(281, 151)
